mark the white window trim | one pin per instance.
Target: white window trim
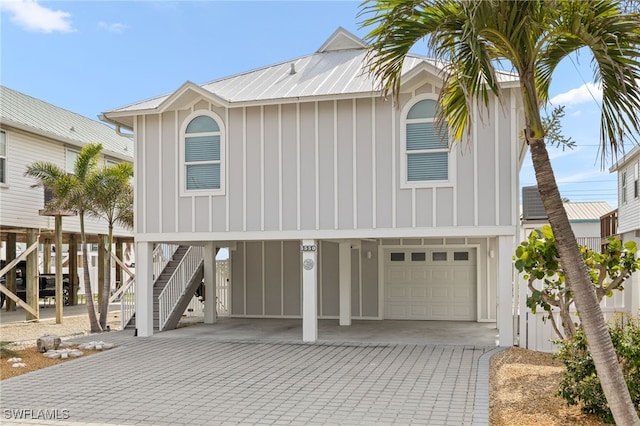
(405, 183)
(66, 160)
(5, 183)
(183, 128)
(636, 189)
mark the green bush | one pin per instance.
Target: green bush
(580, 382)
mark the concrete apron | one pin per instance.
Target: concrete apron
(329, 331)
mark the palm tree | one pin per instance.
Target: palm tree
(472, 38)
(71, 194)
(111, 198)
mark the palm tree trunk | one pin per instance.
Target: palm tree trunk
(91, 310)
(106, 285)
(595, 328)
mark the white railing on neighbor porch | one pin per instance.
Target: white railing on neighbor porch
(178, 282)
(162, 254)
(126, 293)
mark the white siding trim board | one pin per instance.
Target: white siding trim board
(374, 169)
(280, 167)
(496, 152)
(335, 165)
(262, 168)
(331, 234)
(244, 171)
(317, 164)
(298, 170)
(475, 164)
(355, 162)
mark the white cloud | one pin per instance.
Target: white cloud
(114, 27)
(34, 17)
(586, 93)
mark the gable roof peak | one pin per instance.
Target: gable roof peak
(342, 39)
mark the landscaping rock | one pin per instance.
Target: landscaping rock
(98, 346)
(63, 353)
(48, 342)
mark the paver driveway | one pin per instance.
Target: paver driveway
(185, 381)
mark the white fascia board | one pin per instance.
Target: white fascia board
(335, 234)
(627, 158)
(9, 124)
(187, 87)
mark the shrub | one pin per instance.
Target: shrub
(580, 382)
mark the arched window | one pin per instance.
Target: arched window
(426, 145)
(202, 154)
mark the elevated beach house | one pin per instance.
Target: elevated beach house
(334, 202)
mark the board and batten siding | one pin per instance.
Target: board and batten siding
(20, 202)
(266, 280)
(629, 211)
(324, 165)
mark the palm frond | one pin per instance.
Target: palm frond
(87, 160)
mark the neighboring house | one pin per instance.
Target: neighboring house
(32, 130)
(628, 216)
(584, 218)
(334, 202)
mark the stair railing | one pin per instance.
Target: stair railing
(177, 284)
(162, 255)
(126, 293)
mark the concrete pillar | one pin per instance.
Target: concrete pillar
(144, 289)
(344, 256)
(73, 269)
(11, 275)
(31, 276)
(309, 291)
(505, 290)
(210, 314)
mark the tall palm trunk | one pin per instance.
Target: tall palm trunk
(91, 310)
(595, 328)
(106, 285)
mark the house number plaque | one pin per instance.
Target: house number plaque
(307, 247)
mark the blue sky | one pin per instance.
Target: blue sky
(93, 56)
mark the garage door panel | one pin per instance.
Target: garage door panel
(439, 293)
(431, 289)
(419, 292)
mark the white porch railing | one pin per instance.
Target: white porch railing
(196, 306)
(178, 282)
(222, 288)
(162, 254)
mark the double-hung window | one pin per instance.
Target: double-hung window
(623, 188)
(426, 146)
(202, 155)
(70, 160)
(3, 157)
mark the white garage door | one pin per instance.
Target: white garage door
(430, 284)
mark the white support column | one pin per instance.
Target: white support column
(144, 289)
(344, 261)
(505, 290)
(309, 291)
(210, 315)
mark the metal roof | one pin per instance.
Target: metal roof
(337, 68)
(33, 115)
(586, 211)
